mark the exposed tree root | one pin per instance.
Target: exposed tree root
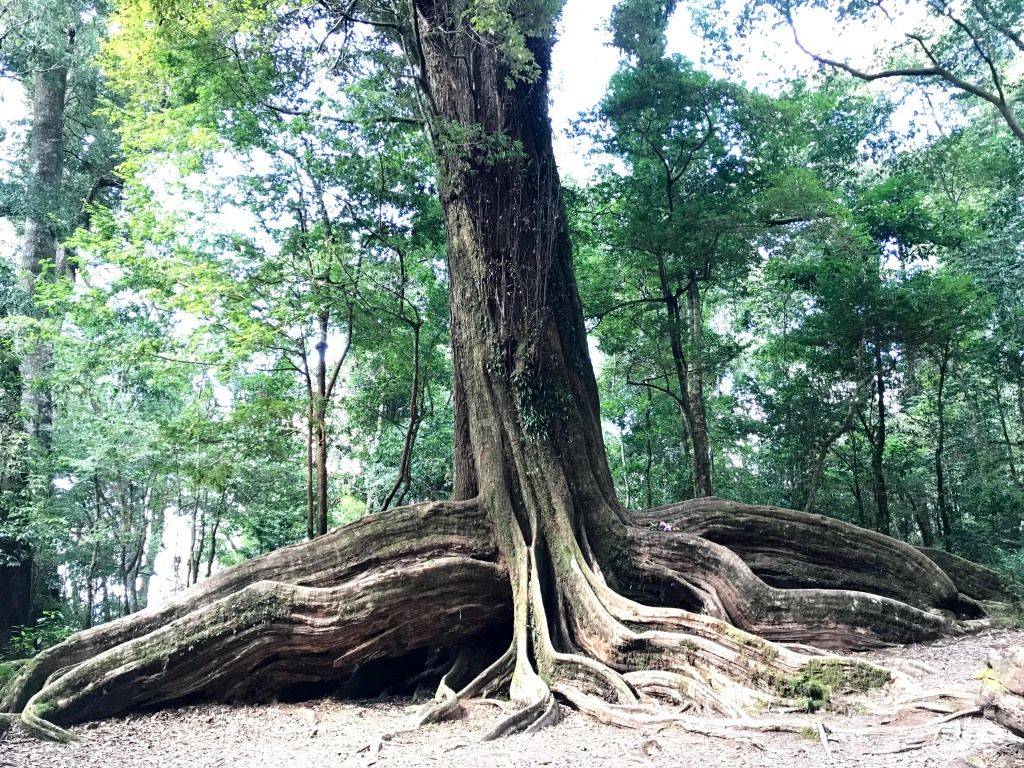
(405, 534)
(672, 564)
(974, 580)
(269, 636)
(791, 549)
(1003, 699)
(432, 579)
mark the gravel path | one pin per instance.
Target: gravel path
(343, 734)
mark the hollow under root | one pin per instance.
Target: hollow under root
(270, 635)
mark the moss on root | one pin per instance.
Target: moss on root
(818, 681)
(8, 669)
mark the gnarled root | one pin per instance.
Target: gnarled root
(410, 534)
(269, 635)
(974, 580)
(674, 567)
(791, 549)
(429, 577)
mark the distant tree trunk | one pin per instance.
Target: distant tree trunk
(702, 468)
(1020, 398)
(923, 520)
(826, 446)
(321, 428)
(701, 461)
(16, 578)
(193, 534)
(858, 494)
(90, 587)
(648, 456)
(211, 556)
(153, 545)
(405, 463)
(39, 246)
(883, 519)
(197, 556)
(106, 601)
(1007, 442)
(310, 506)
(941, 497)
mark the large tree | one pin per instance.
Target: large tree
(534, 564)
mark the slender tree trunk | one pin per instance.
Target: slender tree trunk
(883, 519)
(858, 494)
(702, 468)
(648, 454)
(1020, 398)
(1007, 442)
(211, 556)
(826, 446)
(193, 533)
(321, 428)
(106, 601)
(310, 504)
(39, 246)
(90, 589)
(197, 556)
(405, 464)
(941, 497)
(923, 519)
(153, 545)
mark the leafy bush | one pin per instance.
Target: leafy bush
(51, 628)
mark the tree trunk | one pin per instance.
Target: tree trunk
(321, 428)
(855, 489)
(681, 368)
(702, 467)
(648, 454)
(39, 246)
(211, 557)
(883, 519)
(405, 463)
(16, 576)
(153, 546)
(310, 507)
(941, 498)
(1010, 458)
(923, 520)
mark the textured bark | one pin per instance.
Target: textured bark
(970, 578)
(403, 535)
(883, 518)
(941, 494)
(702, 463)
(790, 549)
(321, 428)
(1003, 698)
(39, 246)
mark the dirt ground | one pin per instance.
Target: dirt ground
(348, 735)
